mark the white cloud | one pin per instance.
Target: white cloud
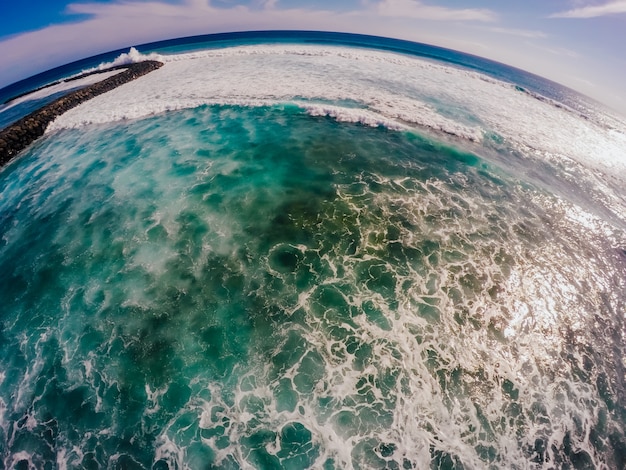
(123, 23)
(614, 7)
(143, 9)
(418, 10)
(558, 51)
(270, 4)
(524, 33)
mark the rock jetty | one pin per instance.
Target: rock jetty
(22, 133)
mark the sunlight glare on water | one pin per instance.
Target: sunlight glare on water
(277, 286)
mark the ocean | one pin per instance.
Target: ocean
(314, 250)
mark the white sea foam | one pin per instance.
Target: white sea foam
(11, 461)
(384, 88)
(60, 87)
(512, 311)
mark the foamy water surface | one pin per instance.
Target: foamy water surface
(315, 257)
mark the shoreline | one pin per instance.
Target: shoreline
(19, 135)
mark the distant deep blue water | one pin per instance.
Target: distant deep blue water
(491, 68)
(264, 286)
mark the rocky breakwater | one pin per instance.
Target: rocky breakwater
(22, 133)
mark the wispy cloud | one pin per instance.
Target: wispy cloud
(558, 51)
(143, 9)
(105, 26)
(418, 10)
(523, 33)
(120, 23)
(614, 7)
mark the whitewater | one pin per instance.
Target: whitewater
(315, 256)
(375, 88)
(371, 87)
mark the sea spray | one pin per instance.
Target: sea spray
(257, 287)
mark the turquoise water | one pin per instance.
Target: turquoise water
(232, 287)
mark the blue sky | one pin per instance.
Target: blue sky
(579, 43)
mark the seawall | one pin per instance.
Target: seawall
(22, 133)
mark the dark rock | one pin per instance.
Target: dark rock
(22, 133)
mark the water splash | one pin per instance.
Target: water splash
(257, 287)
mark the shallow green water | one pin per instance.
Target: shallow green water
(255, 287)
